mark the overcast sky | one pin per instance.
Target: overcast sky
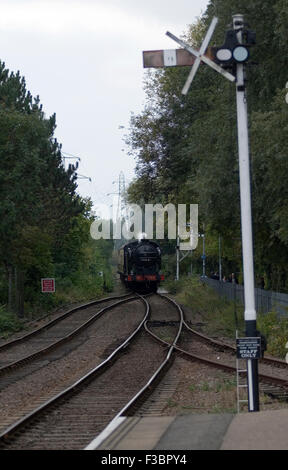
(84, 60)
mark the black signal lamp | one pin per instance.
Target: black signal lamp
(232, 51)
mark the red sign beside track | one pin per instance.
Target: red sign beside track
(48, 284)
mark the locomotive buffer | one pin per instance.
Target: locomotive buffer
(233, 53)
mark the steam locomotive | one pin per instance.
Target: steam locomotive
(139, 265)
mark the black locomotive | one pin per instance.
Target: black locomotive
(139, 265)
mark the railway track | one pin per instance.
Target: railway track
(64, 323)
(52, 340)
(43, 374)
(121, 384)
(87, 404)
(275, 362)
(273, 372)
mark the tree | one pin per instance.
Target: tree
(36, 193)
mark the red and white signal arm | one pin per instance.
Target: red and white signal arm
(48, 284)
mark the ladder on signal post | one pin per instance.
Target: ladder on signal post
(239, 385)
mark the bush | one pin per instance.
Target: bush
(219, 317)
(9, 322)
(275, 329)
(217, 313)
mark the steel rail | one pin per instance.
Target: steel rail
(116, 421)
(263, 377)
(268, 360)
(51, 323)
(80, 383)
(7, 368)
(156, 374)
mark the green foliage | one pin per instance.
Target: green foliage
(275, 329)
(9, 322)
(216, 313)
(44, 223)
(269, 134)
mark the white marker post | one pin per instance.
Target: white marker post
(240, 55)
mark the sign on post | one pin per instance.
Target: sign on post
(248, 348)
(48, 284)
(167, 58)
